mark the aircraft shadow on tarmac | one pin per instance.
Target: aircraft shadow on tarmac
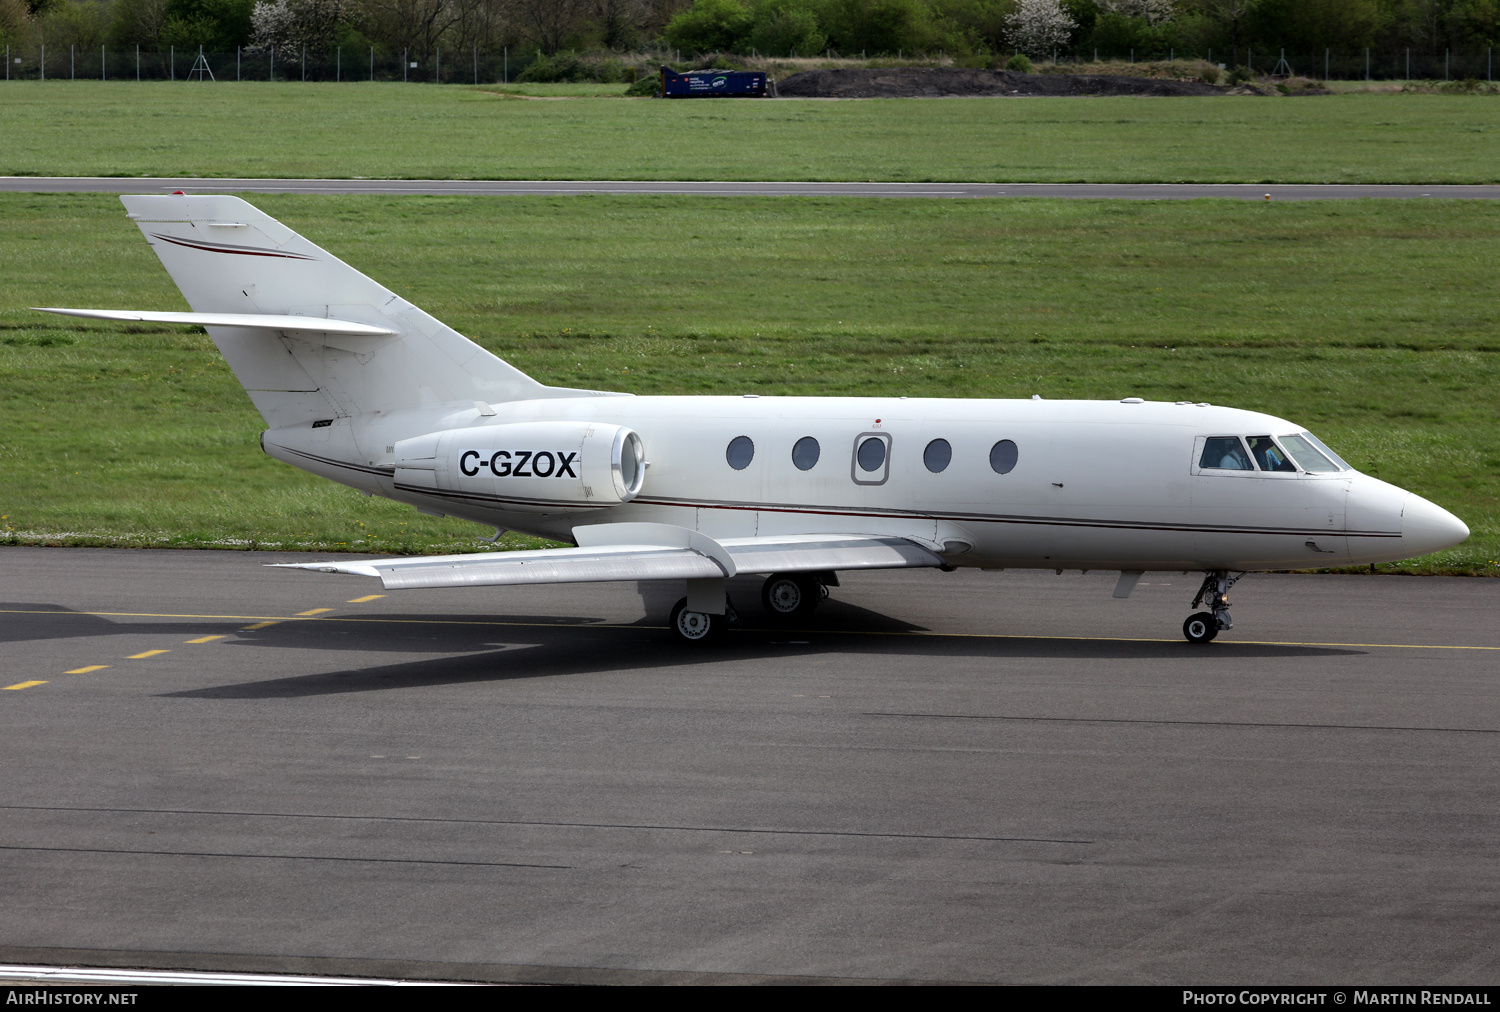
(21, 621)
(547, 651)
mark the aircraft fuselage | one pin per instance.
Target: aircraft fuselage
(1085, 484)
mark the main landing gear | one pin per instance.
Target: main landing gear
(787, 597)
(791, 597)
(699, 626)
(1203, 626)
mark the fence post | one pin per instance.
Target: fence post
(338, 64)
(44, 61)
(476, 64)
(7, 63)
(236, 64)
(1325, 63)
(172, 60)
(404, 62)
(304, 63)
(505, 79)
(372, 64)
(137, 64)
(271, 71)
(102, 75)
(1408, 63)
(437, 64)
(1367, 63)
(1445, 65)
(73, 63)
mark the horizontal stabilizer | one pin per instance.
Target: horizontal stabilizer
(251, 321)
(600, 562)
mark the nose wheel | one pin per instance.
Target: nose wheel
(1200, 628)
(1203, 626)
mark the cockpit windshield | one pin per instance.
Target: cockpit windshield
(1268, 455)
(1307, 455)
(1293, 453)
(1323, 447)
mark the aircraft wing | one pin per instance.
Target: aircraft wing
(640, 551)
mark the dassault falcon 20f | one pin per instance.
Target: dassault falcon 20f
(358, 385)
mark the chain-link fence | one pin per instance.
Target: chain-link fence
(484, 66)
(440, 66)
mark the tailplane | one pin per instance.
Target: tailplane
(375, 352)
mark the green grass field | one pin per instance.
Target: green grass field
(422, 131)
(1372, 322)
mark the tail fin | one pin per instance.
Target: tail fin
(228, 257)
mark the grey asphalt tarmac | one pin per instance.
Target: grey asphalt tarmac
(430, 187)
(1006, 777)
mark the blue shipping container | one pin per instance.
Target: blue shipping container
(712, 84)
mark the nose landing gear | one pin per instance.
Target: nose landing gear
(1203, 626)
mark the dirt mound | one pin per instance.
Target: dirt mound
(941, 82)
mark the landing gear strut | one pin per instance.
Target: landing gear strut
(1203, 626)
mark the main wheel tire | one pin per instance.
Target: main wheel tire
(695, 626)
(788, 597)
(1201, 627)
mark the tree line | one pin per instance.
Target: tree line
(965, 30)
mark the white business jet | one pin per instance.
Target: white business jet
(358, 385)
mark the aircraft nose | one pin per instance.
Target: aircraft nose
(1427, 527)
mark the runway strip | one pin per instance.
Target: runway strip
(515, 188)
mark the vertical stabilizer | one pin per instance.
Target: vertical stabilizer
(228, 257)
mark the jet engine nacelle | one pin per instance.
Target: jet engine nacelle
(541, 467)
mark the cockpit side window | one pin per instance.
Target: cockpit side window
(1225, 453)
(1268, 455)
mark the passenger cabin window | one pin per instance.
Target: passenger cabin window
(937, 456)
(805, 453)
(1225, 453)
(740, 453)
(1268, 455)
(872, 458)
(1003, 456)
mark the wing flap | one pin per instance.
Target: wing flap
(805, 553)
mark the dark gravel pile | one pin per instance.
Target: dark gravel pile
(940, 82)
